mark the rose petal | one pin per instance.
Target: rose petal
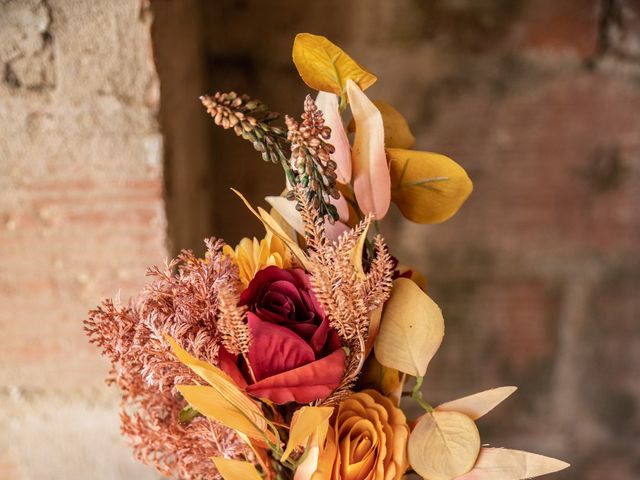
(228, 363)
(275, 349)
(305, 384)
(319, 338)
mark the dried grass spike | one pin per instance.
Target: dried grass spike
(232, 324)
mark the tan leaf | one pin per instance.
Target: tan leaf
(443, 445)
(236, 469)
(371, 180)
(325, 66)
(306, 422)
(427, 187)
(479, 404)
(505, 464)
(374, 327)
(397, 133)
(223, 400)
(411, 329)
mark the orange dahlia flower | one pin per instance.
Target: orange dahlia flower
(367, 440)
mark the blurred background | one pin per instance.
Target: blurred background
(108, 164)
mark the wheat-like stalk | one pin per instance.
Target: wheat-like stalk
(347, 296)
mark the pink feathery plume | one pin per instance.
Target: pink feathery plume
(182, 301)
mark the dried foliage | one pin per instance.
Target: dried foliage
(347, 295)
(303, 151)
(251, 120)
(234, 332)
(182, 300)
(311, 161)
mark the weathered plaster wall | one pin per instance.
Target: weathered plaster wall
(81, 216)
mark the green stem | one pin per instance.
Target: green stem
(416, 394)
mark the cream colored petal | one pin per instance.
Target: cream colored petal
(505, 464)
(479, 404)
(371, 178)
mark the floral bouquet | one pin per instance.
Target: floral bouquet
(291, 357)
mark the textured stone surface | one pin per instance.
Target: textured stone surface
(81, 216)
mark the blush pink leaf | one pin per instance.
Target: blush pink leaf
(371, 178)
(328, 104)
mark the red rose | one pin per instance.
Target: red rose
(294, 356)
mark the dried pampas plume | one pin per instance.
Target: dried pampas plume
(182, 300)
(347, 295)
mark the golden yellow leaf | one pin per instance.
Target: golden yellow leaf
(272, 225)
(211, 403)
(397, 133)
(505, 464)
(309, 465)
(374, 326)
(223, 400)
(306, 422)
(479, 404)
(411, 329)
(236, 469)
(443, 445)
(356, 255)
(387, 381)
(427, 187)
(325, 464)
(325, 66)
(416, 276)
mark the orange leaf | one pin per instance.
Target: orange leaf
(236, 469)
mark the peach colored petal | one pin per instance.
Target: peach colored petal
(328, 104)
(371, 178)
(342, 206)
(505, 464)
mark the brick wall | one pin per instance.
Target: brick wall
(81, 216)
